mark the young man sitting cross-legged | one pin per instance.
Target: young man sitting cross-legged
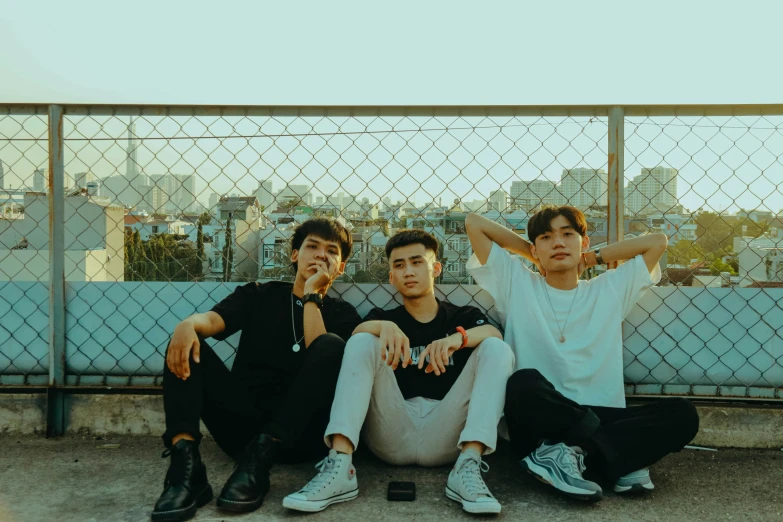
(426, 379)
(274, 403)
(567, 338)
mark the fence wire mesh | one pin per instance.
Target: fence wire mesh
(24, 299)
(713, 185)
(168, 209)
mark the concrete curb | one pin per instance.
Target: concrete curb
(722, 425)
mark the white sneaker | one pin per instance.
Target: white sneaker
(637, 481)
(335, 482)
(466, 486)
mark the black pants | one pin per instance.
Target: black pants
(234, 415)
(617, 440)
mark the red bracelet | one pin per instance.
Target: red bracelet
(464, 337)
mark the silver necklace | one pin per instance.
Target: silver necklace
(296, 346)
(573, 300)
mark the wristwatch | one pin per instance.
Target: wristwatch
(313, 298)
(599, 259)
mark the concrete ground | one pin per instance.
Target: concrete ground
(88, 478)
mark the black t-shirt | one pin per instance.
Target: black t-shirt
(412, 381)
(265, 359)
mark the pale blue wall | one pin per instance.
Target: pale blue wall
(692, 340)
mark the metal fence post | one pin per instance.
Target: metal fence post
(55, 412)
(616, 215)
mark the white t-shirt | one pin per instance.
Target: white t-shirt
(588, 366)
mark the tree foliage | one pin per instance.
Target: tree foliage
(715, 239)
(716, 233)
(200, 242)
(228, 252)
(375, 272)
(163, 257)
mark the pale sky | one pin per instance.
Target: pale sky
(403, 53)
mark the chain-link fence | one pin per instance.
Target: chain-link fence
(714, 184)
(24, 294)
(150, 214)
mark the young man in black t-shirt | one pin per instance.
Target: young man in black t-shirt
(274, 403)
(425, 394)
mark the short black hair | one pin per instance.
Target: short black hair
(411, 237)
(541, 222)
(326, 229)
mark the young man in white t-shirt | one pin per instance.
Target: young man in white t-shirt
(565, 406)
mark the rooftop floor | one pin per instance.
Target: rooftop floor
(79, 478)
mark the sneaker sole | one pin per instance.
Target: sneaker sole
(476, 508)
(636, 488)
(185, 513)
(239, 506)
(311, 506)
(543, 475)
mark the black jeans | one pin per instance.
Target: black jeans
(234, 415)
(617, 440)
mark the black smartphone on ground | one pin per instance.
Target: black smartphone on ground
(405, 491)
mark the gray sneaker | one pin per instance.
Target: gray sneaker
(561, 467)
(335, 482)
(636, 481)
(467, 487)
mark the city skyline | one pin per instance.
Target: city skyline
(725, 170)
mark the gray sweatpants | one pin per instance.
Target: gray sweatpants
(418, 431)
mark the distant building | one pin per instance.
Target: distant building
(295, 192)
(675, 226)
(239, 207)
(94, 188)
(530, 195)
(82, 179)
(654, 191)
(183, 197)
(40, 180)
(213, 202)
(498, 200)
(162, 226)
(264, 194)
(247, 224)
(94, 240)
(583, 188)
(760, 259)
(476, 205)
(756, 215)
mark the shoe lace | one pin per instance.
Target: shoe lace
(179, 467)
(470, 471)
(327, 469)
(573, 461)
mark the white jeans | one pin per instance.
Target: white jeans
(419, 431)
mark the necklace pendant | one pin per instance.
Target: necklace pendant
(562, 339)
(296, 347)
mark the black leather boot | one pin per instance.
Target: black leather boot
(185, 488)
(247, 486)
